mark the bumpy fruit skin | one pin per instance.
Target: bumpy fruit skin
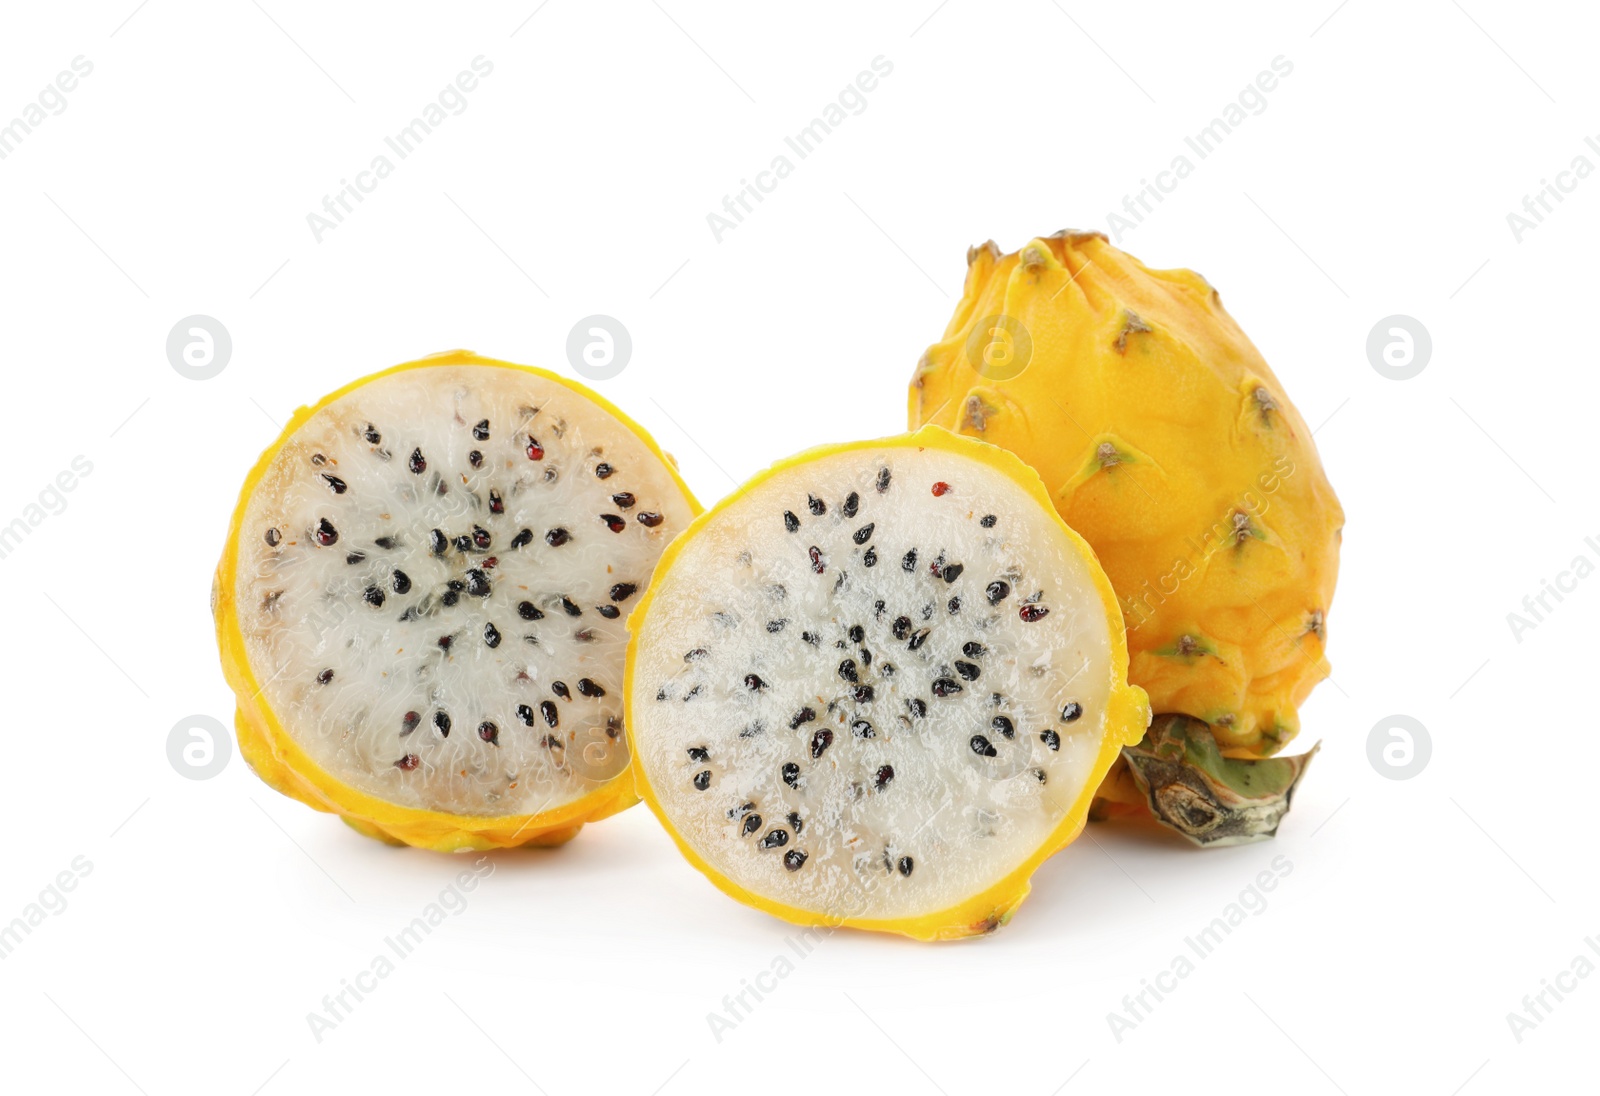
(1165, 440)
(1127, 716)
(285, 767)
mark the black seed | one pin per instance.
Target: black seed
(325, 533)
(877, 609)
(883, 480)
(820, 742)
(816, 559)
(1038, 774)
(997, 592)
(463, 543)
(918, 706)
(480, 537)
(441, 723)
(918, 639)
(794, 859)
(622, 591)
(856, 633)
(409, 723)
(603, 470)
(951, 572)
(522, 539)
(775, 839)
(491, 635)
(338, 485)
(871, 558)
(475, 459)
(528, 611)
(613, 522)
(589, 688)
(561, 690)
(987, 521)
(449, 597)
(481, 431)
(809, 637)
(477, 583)
(387, 542)
(982, 747)
(864, 534)
(790, 522)
(372, 435)
(901, 627)
(556, 537)
(816, 505)
(324, 677)
(570, 606)
(1071, 712)
(418, 462)
(851, 502)
(610, 612)
(445, 641)
(496, 504)
(373, 596)
(862, 729)
(624, 499)
(864, 694)
(1003, 726)
(272, 538)
(967, 670)
(1032, 613)
(804, 715)
(696, 655)
(791, 774)
(318, 459)
(910, 561)
(795, 823)
(887, 669)
(946, 686)
(552, 717)
(489, 732)
(1051, 739)
(753, 681)
(525, 714)
(752, 823)
(650, 519)
(408, 763)
(847, 670)
(954, 605)
(883, 776)
(437, 542)
(699, 753)
(702, 780)
(974, 649)
(905, 865)
(776, 626)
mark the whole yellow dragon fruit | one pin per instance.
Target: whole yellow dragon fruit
(1166, 441)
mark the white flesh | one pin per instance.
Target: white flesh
(304, 609)
(964, 820)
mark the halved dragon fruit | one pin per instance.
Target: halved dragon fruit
(878, 686)
(421, 602)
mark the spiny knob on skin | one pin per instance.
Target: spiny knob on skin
(1131, 324)
(1107, 455)
(988, 246)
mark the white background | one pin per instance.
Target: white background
(1377, 181)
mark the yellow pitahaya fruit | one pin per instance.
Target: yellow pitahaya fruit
(1167, 442)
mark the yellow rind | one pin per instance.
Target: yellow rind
(284, 766)
(1127, 710)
